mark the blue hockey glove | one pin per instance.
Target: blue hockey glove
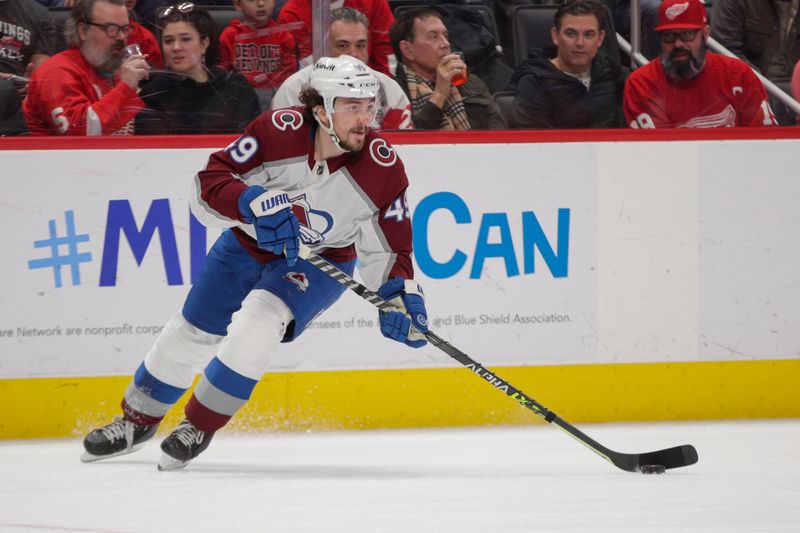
(410, 323)
(270, 212)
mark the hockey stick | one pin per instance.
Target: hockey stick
(649, 462)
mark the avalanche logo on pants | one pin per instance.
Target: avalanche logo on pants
(299, 279)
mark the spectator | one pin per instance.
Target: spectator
(11, 120)
(143, 37)
(377, 12)
(762, 32)
(580, 87)
(258, 49)
(433, 77)
(689, 87)
(191, 97)
(27, 37)
(350, 35)
(91, 88)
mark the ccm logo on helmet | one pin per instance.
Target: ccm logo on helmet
(382, 153)
(287, 118)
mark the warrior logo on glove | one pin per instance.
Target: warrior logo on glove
(276, 226)
(265, 210)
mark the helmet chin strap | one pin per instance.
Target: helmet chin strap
(329, 130)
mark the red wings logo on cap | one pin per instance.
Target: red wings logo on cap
(673, 12)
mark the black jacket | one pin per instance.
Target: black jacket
(177, 104)
(548, 98)
(751, 30)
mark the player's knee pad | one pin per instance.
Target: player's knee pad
(254, 333)
(180, 352)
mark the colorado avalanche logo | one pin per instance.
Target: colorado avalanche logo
(382, 153)
(287, 118)
(314, 224)
(676, 10)
(299, 279)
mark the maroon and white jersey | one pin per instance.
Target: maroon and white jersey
(725, 94)
(68, 96)
(353, 204)
(394, 109)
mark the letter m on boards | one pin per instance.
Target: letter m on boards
(121, 221)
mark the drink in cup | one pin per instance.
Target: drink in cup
(459, 78)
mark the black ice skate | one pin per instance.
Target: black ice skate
(184, 444)
(117, 438)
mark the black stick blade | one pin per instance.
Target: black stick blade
(676, 457)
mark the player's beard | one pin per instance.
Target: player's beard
(108, 60)
(684, 69)
(353, 146)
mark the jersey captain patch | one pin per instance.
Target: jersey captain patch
(287, 118)
(382, 153)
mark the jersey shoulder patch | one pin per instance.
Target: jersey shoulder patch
(381, 151)
(287, 119)
(378, 170)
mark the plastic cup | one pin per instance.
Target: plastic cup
(133, 50)
(459, 78)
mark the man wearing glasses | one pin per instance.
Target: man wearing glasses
(91, 88)
(690, 87)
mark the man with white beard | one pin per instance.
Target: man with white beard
(91, 88)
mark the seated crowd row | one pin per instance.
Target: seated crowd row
(115, 79)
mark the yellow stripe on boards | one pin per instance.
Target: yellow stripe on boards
(362, 399)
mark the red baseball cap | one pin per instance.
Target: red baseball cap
(681, 15)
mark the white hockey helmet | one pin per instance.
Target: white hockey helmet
(343, 76)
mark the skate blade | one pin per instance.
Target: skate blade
(87, 457)
(167, 463)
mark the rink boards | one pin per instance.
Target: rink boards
(615, 280)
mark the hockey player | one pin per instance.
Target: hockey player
(317, 175)
(349, 35)
(689, 87)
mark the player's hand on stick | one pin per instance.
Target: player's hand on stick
(270, 212)
(410, 323)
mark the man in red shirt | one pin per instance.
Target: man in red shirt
(380, 20)
(690, 87)
(91, 88)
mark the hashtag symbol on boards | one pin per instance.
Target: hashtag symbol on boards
(72, 258)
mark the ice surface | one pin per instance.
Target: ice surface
(533, 479)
